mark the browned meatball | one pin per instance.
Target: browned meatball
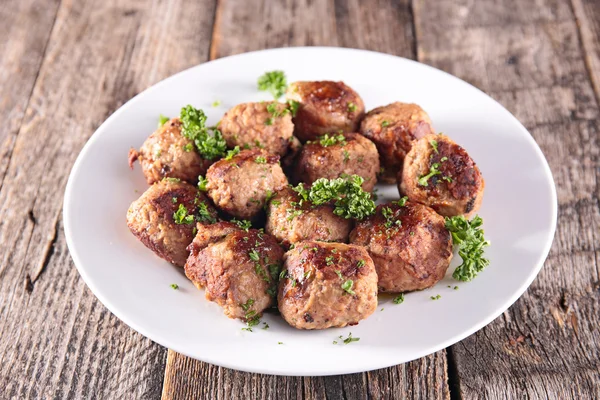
(238, 268)
(327, 285)
(410, 246)
(241, 185)
(266, 124)
(333, 156)
(393, 128)
(325, 107)
(165, 216)
(439, 173)
(167, 153)
(289, 222)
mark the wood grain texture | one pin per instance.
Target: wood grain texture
(24, 32)
(531, 59)
(58, 341)
(385, 27)
(587, 13)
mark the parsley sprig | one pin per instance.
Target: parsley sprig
(350, 200)
(469, 238)
(209, 142)
(274, 82)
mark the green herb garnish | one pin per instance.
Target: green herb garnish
(351, 339)
(434, 145)
(162, 120)
(433, 170)
(181, 216)
(352, 107)
(231, 153)
(174, 286)
(202, 182)
(402, 202)
(260, 160)
(326, 140)
(437, 297)
(360, 264)
(469, 238)
(203, 215)
(385, 123)
(350, 200)
(399, 299)
(273, 82)
(216, 103)
(293, 107)
(209, 142)
(347, 286)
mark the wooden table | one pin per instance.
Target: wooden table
(67, 65)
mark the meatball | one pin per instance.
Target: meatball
(327, 285)
(333, 156)
(164, 218)
(289, 222)
(439, 173)
(169, 154)
(325, 107)
(409, 244)
(266, 124)
(238, 268)
(393, 128)
(241, 185)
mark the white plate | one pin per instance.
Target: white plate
(519, 211)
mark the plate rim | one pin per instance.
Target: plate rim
(165, 342)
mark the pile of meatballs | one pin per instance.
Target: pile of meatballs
(249, 241)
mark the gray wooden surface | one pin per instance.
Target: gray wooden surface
(66, 65)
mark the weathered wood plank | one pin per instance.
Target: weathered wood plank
(587, 13)
(58, 341)
(25, 29)
(530, 59)
(385, 26)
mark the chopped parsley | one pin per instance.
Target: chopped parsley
(174, 286)
(399, 299)
(273, 82)
(216, 103)
(254, 255)
(329, 261)
(402, 202)
(210, 145)
(433, 171)
(455, 287)
(360, 263)
(265, 327)
(172, 180)
(347, 286)
(339, 273)
(181, 216)
(388, 214)
(385, 123)
(437, 297)
(469, 237)
(203, 215)
(293, 107)
(243, 224)
(188, 147)
(202, 182)
(349, 339)
(162, 120)
(329, 140)
(260, 160)
(346, 155)
(350, 200)
(231, 153)
(434, 145)
(352, 107)
(279, 342)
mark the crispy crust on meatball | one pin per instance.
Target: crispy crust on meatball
(325, 106)
(356, 156)
(240, 186)
(393, 129)
(410, 246)
(169, 154)
(457, 190)
(238, 269)
(151, 219)
(289, 222)
(251, 125)
(311, 295)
